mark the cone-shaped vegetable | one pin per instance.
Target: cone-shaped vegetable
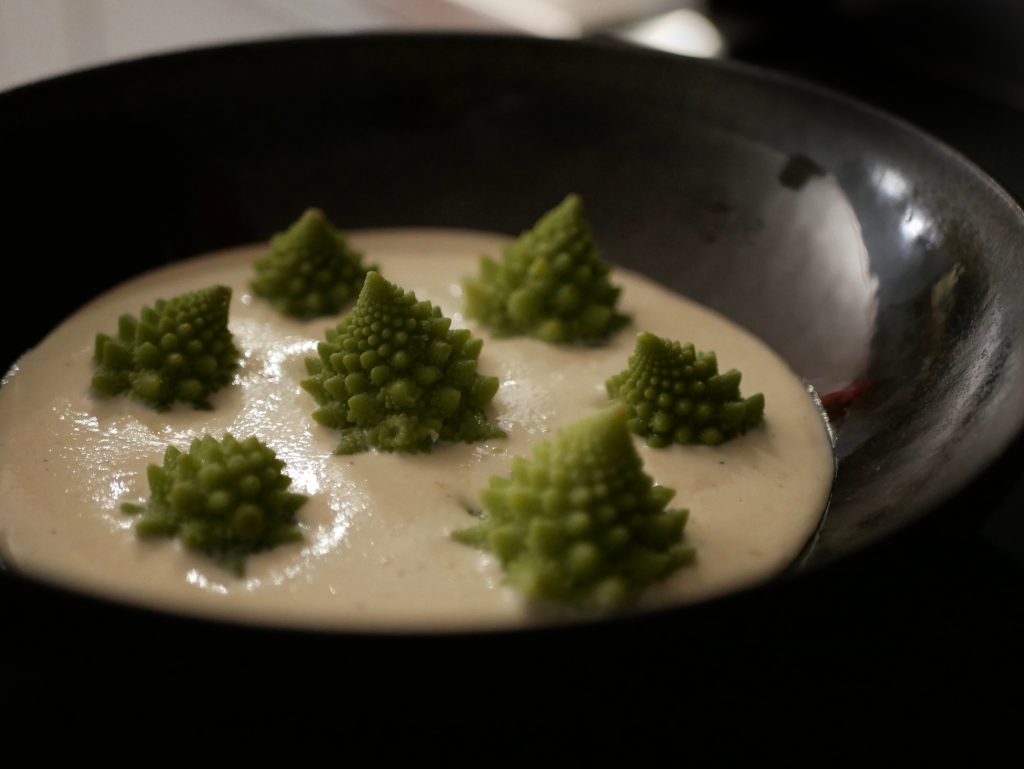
(394, 376)
(177, 350)
(310, 270)
(226, 499)
(551, 284)
(580, 522)
(675, 393)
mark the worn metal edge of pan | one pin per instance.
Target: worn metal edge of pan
(750, 83)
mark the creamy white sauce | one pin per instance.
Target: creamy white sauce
(377, 552)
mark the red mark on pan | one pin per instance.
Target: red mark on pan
(836, 403)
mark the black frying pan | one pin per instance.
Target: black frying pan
(879, 263)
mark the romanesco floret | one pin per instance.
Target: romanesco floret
(226, 499)
(551, 284)
(310, 271)
(394, 376)
(675, 393)
(178, 350)
(580, 522)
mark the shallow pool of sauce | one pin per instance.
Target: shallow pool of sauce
(377, 552)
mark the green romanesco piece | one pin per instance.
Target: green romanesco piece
(551, 284)
(226, 499)
(178, 350)
(675, 393)
(394, 376)
(580, 522)
(310, 271)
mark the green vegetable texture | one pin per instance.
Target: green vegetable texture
(675, 394)
(225, 498)
(551, 284)
(177, 350)
(311, 270)
(580, 523)
(394, 376)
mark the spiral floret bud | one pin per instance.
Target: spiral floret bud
(394, 376)
(311, 270)
(551, 284)
(675, 394)
(580, 523)
(178, 350)
(226, 499)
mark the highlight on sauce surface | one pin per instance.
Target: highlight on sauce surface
(515, 420)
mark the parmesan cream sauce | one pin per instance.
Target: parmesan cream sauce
(377, 551)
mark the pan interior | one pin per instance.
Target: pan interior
(874, 260)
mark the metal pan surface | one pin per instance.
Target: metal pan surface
(879, 263)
